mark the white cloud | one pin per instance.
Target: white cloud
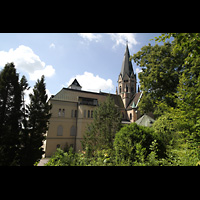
(138, 70)
(91, 36)
(30, 91)
(118, 38)
(52, 46)
(26, 60)
(48, 71)
(121, 38)
(92, 83)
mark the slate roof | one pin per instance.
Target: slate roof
(76, 83)
(127, 67)
(145, 120)
(134, 101)
(117, 98)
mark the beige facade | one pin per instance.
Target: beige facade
(73, 108)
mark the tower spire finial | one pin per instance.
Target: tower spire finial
(126, 41)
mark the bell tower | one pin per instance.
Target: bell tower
(127, 79)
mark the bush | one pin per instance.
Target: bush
(61, 158)
(132, 144)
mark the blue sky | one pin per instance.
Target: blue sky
(95, 59)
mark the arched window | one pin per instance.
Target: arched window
(59, 112)
(132, 89)
(126, 88)
(130, 116)
(63, 112)
(60, 131)
(120, 89)
(73, 131)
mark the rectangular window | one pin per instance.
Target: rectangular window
(84, 113)
(88, 113)
(75, 113)
(95, 102)
(91, 113)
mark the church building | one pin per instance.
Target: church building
(73, 108)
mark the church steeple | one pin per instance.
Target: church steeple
(127, 67)
(127, 79)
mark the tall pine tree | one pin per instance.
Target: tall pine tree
(10, 116)
(38, 120)
(22, 127)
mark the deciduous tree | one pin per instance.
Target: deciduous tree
(107, 121)
(160, 75)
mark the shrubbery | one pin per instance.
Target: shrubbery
(174, 138)
(136, 145)
(133, 145)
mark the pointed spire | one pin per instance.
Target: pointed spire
(127, 67)
(126, 42)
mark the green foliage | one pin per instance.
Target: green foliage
(61, 158)
(10, 115)
(100, 158)
(160, 75)
(165, 128)
(131, 141)
(107, 121)
(38, 120)
(22, 127)
(170, 82)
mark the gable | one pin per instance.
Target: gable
(134, 100)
